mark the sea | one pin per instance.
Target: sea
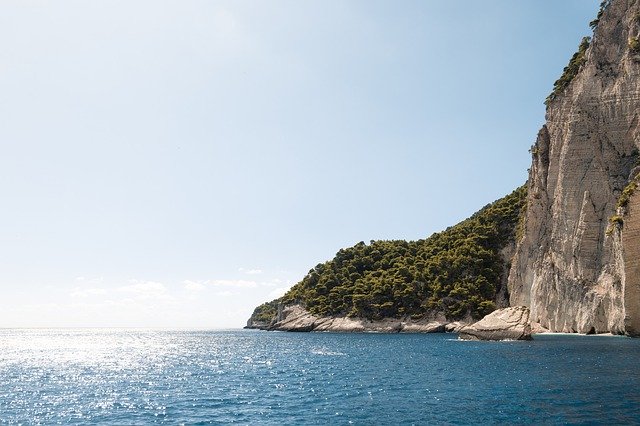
(198, 377)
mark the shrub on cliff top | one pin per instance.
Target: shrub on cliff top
(627, 192)
(603, 6)
(570, 71)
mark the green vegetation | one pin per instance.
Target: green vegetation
(570, 71)
(603, 6)
(634, 44)
(520, 226)
(265, 312)
(627, 192)
(615, 221)
(455, 272)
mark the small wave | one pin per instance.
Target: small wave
(326, 352)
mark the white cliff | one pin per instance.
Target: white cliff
(576, 271)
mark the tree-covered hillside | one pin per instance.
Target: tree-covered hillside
(264, 314)
(456, 272)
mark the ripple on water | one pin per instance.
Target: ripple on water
(152, 376)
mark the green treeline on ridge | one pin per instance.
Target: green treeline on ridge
(577, 60)
(570, 71)
(266, 312)
(456, 272)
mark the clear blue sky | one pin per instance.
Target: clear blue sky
(176, 163)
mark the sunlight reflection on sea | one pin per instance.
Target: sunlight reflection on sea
(126, 376)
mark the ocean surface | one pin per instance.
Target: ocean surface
(130, 377)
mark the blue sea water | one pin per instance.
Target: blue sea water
(129, 377)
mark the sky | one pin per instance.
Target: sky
(177, 163)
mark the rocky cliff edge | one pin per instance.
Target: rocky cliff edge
(577, 265)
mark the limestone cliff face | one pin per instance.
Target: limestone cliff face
(573, 274)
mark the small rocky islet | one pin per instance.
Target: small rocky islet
(561, 253)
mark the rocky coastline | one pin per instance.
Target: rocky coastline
(297, 319)
(504, 324)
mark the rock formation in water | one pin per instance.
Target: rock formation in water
(577, 265)
(503, 324)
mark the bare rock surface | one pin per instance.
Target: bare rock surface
(575, 268)
(503, 324)
(257, 325)
(423, 327)
(455, 327)
(296, 318)
(536, 328)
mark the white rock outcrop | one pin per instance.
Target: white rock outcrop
(503, 324)
(296, 318)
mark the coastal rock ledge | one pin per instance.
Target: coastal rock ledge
(503, 324)
(296, 318)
